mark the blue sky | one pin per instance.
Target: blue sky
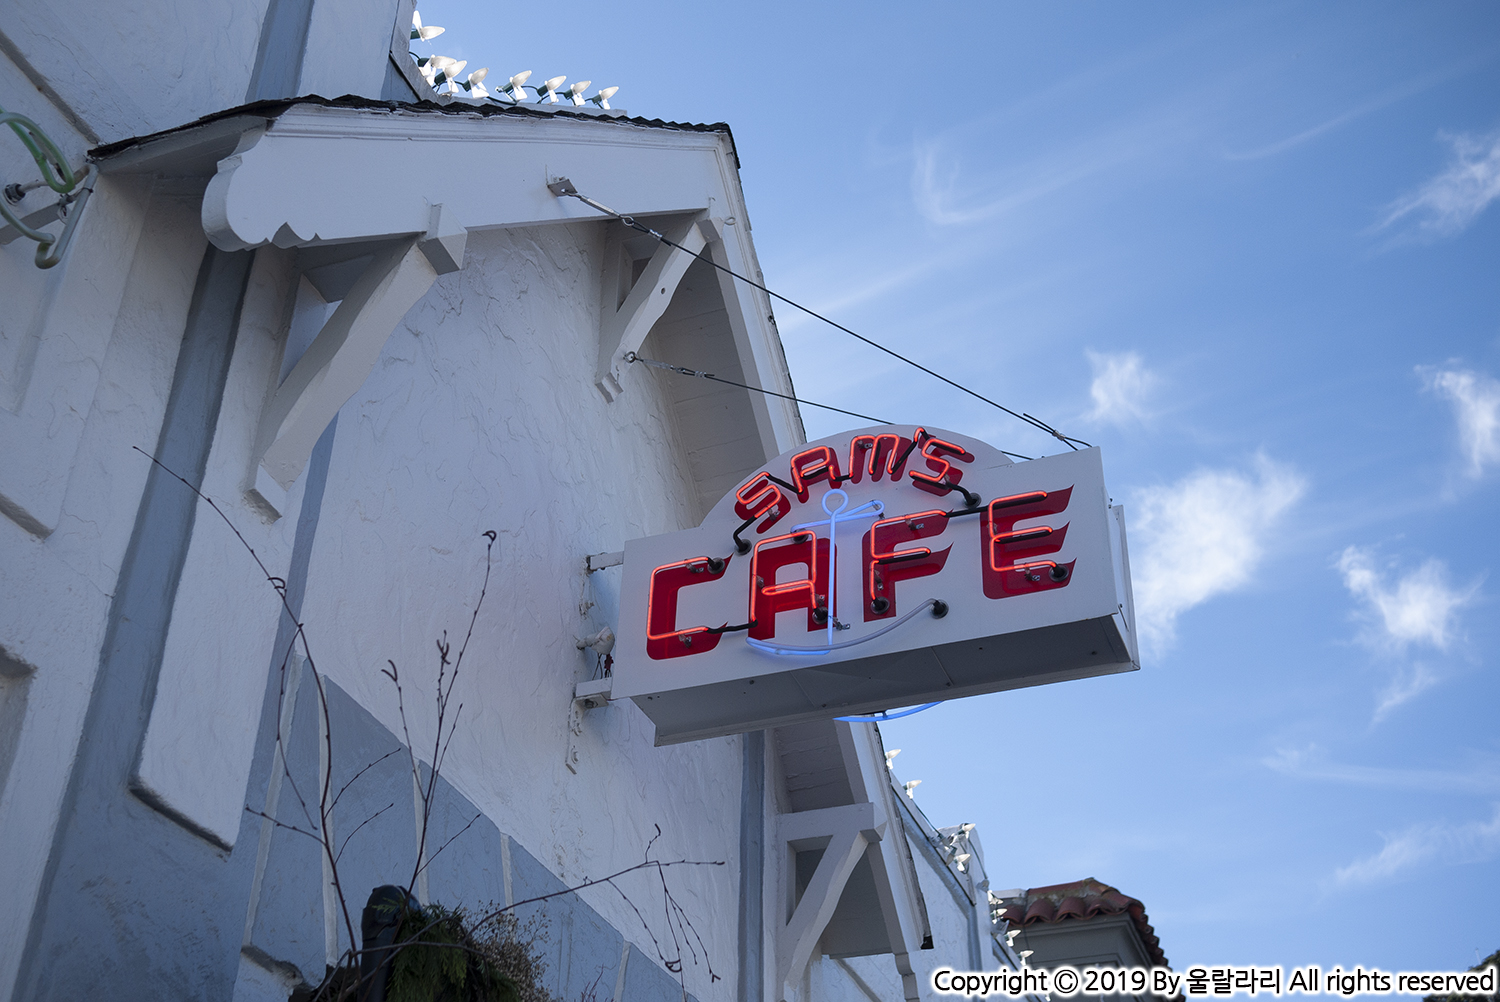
(1254, 253)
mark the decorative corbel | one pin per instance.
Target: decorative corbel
(870, 828)
(847, 831)
(344, 352)
(622, 329)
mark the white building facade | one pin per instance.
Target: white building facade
(369, 361)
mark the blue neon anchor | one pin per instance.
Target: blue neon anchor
(870, 509)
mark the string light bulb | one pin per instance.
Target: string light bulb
(452, 73)
(426, 34)
(890, 756)
(909, 786)
(515, 87)
(443, 68)
(575, 92)
(548, 90)
(602, 98)
(475, 83)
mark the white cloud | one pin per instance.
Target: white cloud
(944, 201)
(1476, 407)
(1204, 536)
(1121, 388)
(1416, 85)
(1470, 842)
(1452, 200)
(1312, 763)
(1420, 608)
(1406, 685)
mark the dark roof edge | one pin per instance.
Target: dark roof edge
(272, 109)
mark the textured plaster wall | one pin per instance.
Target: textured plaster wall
(195, 755)
(119, 70)
(348, 47)
(481, 414)
(56, 591)
(136, 68)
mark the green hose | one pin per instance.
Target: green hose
(56, 174)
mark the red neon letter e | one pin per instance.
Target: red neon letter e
(1007, 554)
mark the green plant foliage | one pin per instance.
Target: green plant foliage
(441, 961)
(447, 957)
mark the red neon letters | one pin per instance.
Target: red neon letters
(890, 448)
(884, 565)
(663, 638)
(767, 598)
(943, 473)
(1005, 552)
(758, 497)
(1012, 561)
(819, 463)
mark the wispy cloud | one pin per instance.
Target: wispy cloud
(1203, 536)
(1313, 763)
(1420, 607)
(946, 194)
(1406, 684)
(1401, 611)
(1475, 397)
(1449, 202)
(1470, 842)
(1384, 99)
(944, 198)
(1122, 388)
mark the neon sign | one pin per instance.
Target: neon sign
(828, 582)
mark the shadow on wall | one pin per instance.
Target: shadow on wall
(296, 915)
(15, 686)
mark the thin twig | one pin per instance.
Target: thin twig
(345, 844)
(343, 789)
(450, 840)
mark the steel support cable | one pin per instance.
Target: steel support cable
(683, 370)
(565, 187)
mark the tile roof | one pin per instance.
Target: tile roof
(1080, 901)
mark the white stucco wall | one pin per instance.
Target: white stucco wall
(195, 757)
(55, 592)
(482, 414)
(132, 69)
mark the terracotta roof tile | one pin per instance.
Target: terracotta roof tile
(1080, 901)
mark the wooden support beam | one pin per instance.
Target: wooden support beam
(902, 908)
(622, 329)
(341, 357)
(850, 830)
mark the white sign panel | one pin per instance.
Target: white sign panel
(881, 568)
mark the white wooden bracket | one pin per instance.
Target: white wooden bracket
(344, 352)
(848, 831)
(623, 326)
(901, 906)
(870, 829)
